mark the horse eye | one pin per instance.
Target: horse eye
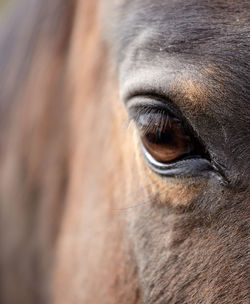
(168, 140)
(170, 145)
(164, 137)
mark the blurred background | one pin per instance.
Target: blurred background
(4, 4)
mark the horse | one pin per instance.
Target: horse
(125, 152)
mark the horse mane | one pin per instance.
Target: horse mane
(55, 121)
(33, 55)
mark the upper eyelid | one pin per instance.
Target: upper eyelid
(153, 113)
(137, 102)
(136, 111)
(150, 98)
(144, 110)
(158, 119)
(150, 101)
(147, 103)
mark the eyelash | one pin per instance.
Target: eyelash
(155, 115)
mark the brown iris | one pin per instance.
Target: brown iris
(164, 137)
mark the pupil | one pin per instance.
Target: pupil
(165, 137)
(160, 137)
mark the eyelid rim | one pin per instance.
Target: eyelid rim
(193, 167)
(174, 168)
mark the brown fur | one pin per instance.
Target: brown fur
(83, 219)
